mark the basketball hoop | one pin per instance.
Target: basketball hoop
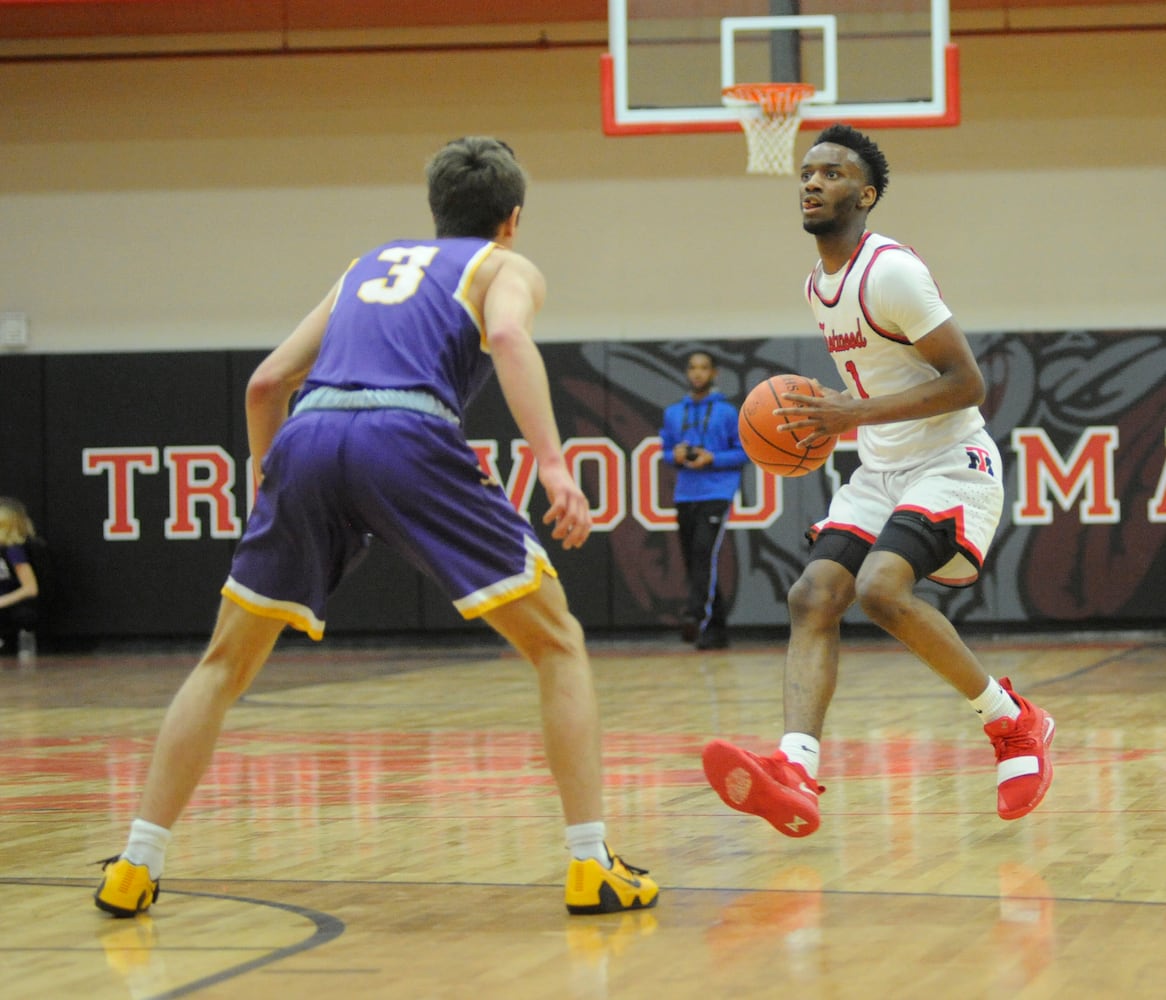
(770, 116)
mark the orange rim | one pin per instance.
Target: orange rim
(774, 98)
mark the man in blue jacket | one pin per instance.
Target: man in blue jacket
(700, 436)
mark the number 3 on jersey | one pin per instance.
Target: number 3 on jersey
(404, 278)
(852, 369)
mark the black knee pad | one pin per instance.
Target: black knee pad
(924, 544)
(841, 547)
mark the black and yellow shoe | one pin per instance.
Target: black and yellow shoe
(127, 889)
(591, 888)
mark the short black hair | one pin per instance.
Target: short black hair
(475, 183)
(878, 171)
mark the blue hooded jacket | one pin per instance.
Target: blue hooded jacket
(710, 423)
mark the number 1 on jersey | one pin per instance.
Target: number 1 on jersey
(852, 369)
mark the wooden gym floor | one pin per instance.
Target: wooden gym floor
(378, 822)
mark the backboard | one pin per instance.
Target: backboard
(873, 63)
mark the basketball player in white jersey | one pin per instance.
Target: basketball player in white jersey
(924, 502)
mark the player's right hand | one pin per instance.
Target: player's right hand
(570, 511)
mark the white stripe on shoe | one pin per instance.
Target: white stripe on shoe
(1015, 767)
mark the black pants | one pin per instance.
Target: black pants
(701, 525)
(14, 618)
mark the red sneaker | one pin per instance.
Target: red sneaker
(773, 788)
(1023, 768)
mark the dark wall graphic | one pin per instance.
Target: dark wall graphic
(135, 469)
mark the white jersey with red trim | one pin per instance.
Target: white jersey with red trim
(871, 313)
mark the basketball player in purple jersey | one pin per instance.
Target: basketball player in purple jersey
(924, 502)
(385, 366)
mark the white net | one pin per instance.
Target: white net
(770, 116)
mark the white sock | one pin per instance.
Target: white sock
(802, 749)
(586, 840)
(995, 703)
(147, 846)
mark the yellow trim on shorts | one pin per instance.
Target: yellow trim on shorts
(511, 589)
(296, 615)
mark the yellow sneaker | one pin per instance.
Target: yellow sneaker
(126, 890)
(591, 888)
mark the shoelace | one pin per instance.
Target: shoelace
(631, 868)
(1016, 743)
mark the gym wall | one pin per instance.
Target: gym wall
(141, 478)
(164, 221)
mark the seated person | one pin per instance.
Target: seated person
(18, 583)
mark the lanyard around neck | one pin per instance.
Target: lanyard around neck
(704, 424)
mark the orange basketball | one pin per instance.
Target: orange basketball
(761, 426)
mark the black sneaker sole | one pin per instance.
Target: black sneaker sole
(144, 903)
(609, 902)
